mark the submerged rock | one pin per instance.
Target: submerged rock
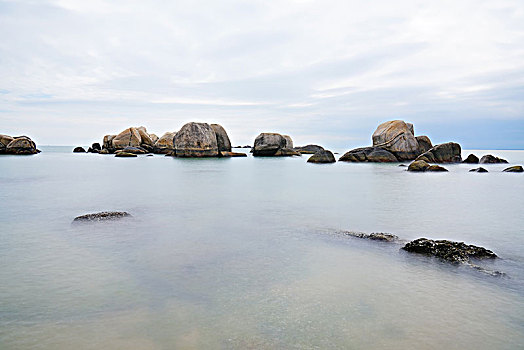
(309, 149)
(449, 152)
(478, 170)
(471, 159)
(514, 169)
(134, 150)
(369, 154)
(397, 137)
(79, 150)
(323, 156)
(380, 236)
(104, 215)
(455, 252)
(490, 159)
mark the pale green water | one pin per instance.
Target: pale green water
(241, 253)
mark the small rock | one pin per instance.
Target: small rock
(386, 237)
(490, 159)
(478, 170)
(125, 155)
(436, 168)
(514, 169)
(323, 156)
(471, 159)
(232, 154)
(104, 215)
(418, 166)
(79, 150)
(309, 149)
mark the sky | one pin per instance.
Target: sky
(325, 72)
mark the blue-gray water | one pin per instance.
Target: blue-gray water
(242, 253)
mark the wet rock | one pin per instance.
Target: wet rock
(323, 156)
(369, 154)
(232, 154)
(102, 216)
(268, 144)
(309, 149)
(449, 152)
(490, 159)
(418, 166)
(424, 144)
(165, 144)
(436, 168)
(455, 252)
(380, 236)
(79, 150)
(21, 145)
(514, 169)
(471, 159)
(396, 136)
(195, 140)
(125, 155)
(223, 142)
(478, 170)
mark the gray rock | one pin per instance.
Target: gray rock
(268, 144)
(471, 159)
(456, 252)
(165, 144)
(309, 149)
(478, 170)
(223, 142)
(396, 137)
(102, 216)
(323, 156)
(490, 159)
(444, 153)
(130, 137)
(289, 141)
(514, 169)
(196, 140)
(369, 154)
(424, 144)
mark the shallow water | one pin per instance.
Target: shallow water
(244, 253)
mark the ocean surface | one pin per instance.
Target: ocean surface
(246, 253)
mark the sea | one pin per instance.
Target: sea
(251, 253)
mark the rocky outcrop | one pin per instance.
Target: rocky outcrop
(385, 237)
(272, 144)
(79, 150)
(128, 137)
(309, 149)
(196, 140)
(514, 169)
(471, 159)
(154, 138)
(424, 144)
(102, 216)
(369, 154)
(289, 141)
(422, 166)
(323, 156)
(456, 252)
(397, 137)
(478, 170)
(490, 159)
(444, 153)
(108, 142)
(145, 139)
(20, 145)
(165, 144)
(223, 142)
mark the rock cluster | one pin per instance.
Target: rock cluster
(273, 144)
(456, 252)
(104, 215)
(19, 145)
(423, 166)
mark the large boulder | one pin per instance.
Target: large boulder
(128, 137)
(444, 153)
(369, 154)
(165, 144)
(309, 149)
(471, 159)
(223, 142)
(424, 144)
(323, 156)
(144, 136)
(490, 159)
(196, 140)
(21, 145)
(397, 137)
(4, 141)
(268, 144)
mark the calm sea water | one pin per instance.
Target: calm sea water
(243, 253)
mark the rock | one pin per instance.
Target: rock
(489, 159)
(309, 149)
(368, 154)
(154, 138)
(289, 141)
(96, 146)
(196, 140)
(134, 150)
(232, 154)
(396, 137)
(91, 150)
(108, 142)
(478, 170)
(411, 128)
(145, 139)
(4, 141)
(418, 166)
(267, 144)
(424, 144)
(456, 252)
(21, 145)
(323, 156)
(287, 152)
(436, 168)
(386, 237)
(104, 151)
(102, 216)
(402, 165)
(165, 144)
(125, 155)
(79, 150)
(444, 153)
(222, 139)
(514, 169)
(247, 146)
(128, 137)
(471, 159)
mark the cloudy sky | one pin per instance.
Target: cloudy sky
(325, 72)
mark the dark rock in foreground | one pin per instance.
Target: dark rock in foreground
(449, 152)
(369, 154)
(104, 215)
(478, 170)
(471, 159)
(79, 150)
(386, 237)
(455, 252)
(422, 166)
(514, 169)
(309, 149)
(490, 159)
(323, 156)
